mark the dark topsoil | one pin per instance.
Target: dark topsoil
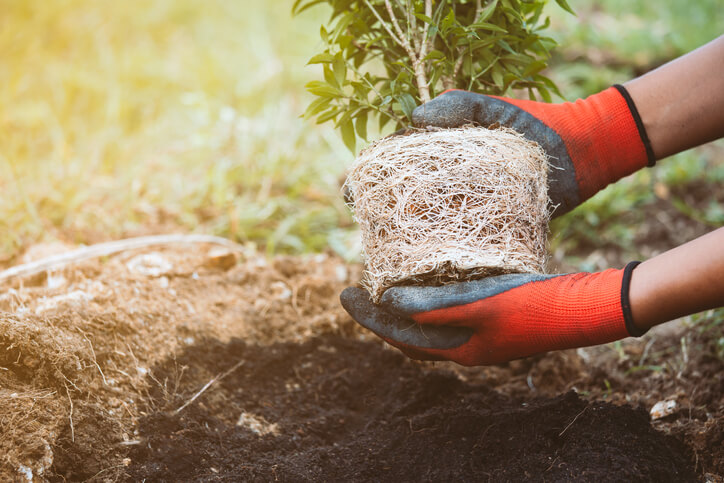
(349, 410)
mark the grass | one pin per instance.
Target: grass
(612, 41)
(123, 118)
(128, 117)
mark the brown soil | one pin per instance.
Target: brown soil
(347, 410)
(276, 382)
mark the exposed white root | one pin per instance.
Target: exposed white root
(439, 206)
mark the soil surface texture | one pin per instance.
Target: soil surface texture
(194, 364)
(333, 409)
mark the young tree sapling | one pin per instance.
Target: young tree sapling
(436, 206)
(382, 58)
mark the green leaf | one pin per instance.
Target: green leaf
(348, 136)
(383, 122)
(322, 89)
(407, 104)
(317, 106)
(361, 125)
(510, 78)
(497, 76)
(489, 26)
(331, 114)
(330, 77)
(537, 9)
(534, 68)
(551, 85)
(340, 69)
(342, 25)
(513, 13)
(506, 46)
(467, 65)
(435, 54)
(544, 25)
(361, 90)
(424, 18)
(298, 8)
(344, 42)
(323, 58)
(483, 44)
(348, 116)
(564, 5)
(545, 94)
(447, 22)
(487, 11)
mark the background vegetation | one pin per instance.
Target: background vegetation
(124, 118)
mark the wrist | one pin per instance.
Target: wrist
(640, 124)
(632, 327)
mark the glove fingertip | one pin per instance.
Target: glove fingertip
(353, 299)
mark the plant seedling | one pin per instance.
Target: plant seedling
(382, 58)
(436, 207)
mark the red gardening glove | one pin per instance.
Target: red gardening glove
(498, 319)
(591, 142)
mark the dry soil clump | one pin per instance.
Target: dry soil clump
(437, 206)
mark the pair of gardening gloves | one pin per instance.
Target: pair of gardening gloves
(590, 144)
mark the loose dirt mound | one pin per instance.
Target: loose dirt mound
(96, 361)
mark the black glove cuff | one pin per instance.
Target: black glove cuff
(626, 303)
(639, 123)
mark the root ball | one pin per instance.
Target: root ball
(439, 206)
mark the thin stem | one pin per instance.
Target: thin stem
(392, 115)
(449, 82)
(411, 24)
(396, 25)
(458, 66)
(389, 114)
(385, 26)
(422, 83)
(425, 43)
(482, 72)
(423, 88)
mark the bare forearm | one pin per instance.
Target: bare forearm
(682, 103)
(682, 281)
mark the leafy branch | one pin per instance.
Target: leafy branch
(382, 58)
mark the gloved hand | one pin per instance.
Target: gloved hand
(591, 142)
(501, 318)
